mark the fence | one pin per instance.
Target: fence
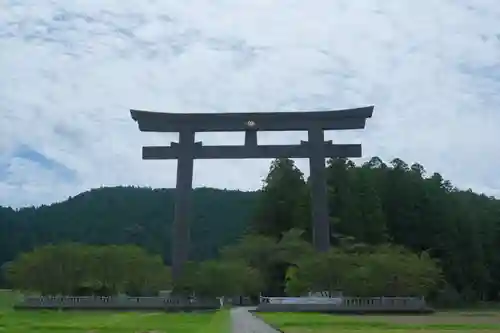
(343, 304)
(116, 303)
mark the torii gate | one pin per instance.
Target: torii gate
(316, 149)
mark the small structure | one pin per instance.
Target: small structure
(316, 149)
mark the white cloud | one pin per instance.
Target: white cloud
(71, 70)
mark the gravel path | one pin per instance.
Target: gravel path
(244, 322)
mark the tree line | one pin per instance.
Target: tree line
(378, 203)
(395, 230)
(84, 270)
(246, 268)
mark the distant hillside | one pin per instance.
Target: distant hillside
(127, 215)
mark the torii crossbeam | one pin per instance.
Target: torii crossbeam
(316, 149)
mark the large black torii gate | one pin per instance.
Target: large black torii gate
(316, 149)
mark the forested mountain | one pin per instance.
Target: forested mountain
(370, 204)
(127, 215)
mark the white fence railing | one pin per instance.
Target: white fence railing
(348, 301)
(301, 300)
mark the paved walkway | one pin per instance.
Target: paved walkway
(244, 322)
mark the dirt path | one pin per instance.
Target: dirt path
(242, 321)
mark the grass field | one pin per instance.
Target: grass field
(106, 322)
(450, 322)
(8, 298)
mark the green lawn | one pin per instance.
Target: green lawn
(101, 322)
(450, 322)
(106, 322)
(8, 298)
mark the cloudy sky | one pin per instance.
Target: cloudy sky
(71, 70)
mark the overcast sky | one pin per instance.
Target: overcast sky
(71, 70)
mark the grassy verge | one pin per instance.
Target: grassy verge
(103, 322)
(449, 322)
(8, 298)
(220, 323)
(45, 321)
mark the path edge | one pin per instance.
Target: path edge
(277, 329)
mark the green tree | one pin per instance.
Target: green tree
(226, 278)
(371, 217)
(292, 246)
(355, 206)
(73, 269)
(343, 205)
(269, 257)
(380, 271)
(281, 205)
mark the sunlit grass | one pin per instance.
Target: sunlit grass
(323, 323)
